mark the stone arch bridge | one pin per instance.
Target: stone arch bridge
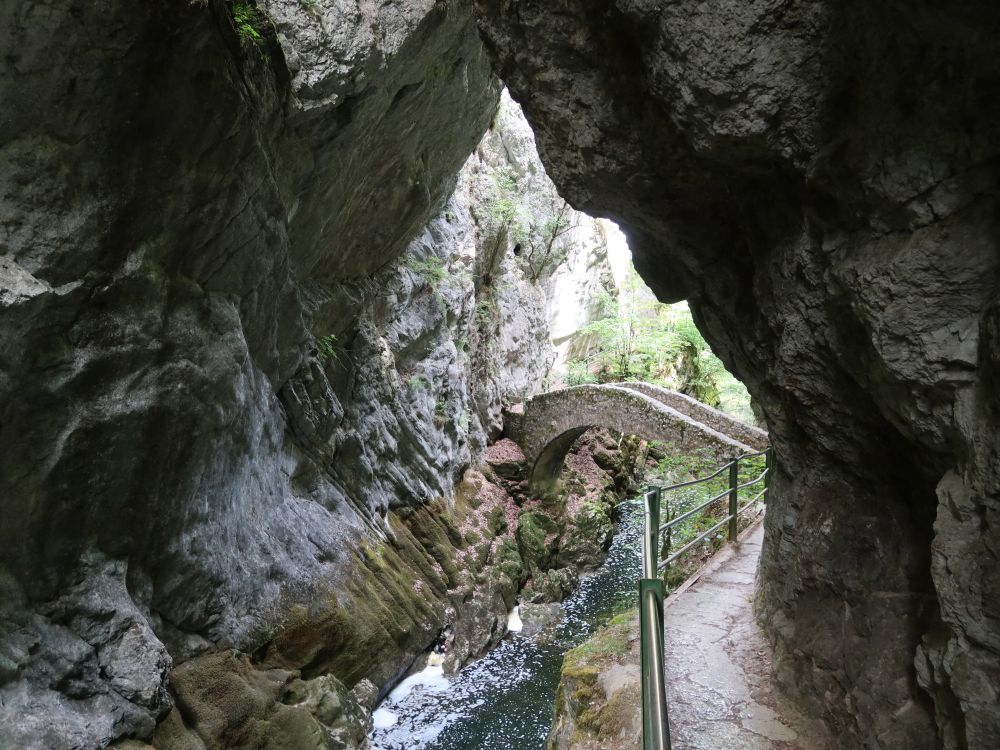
(551, 422)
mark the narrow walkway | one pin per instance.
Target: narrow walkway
(719, 692)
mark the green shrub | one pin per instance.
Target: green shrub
(578, 373)
(638, 338)
(418, 383)
(326, 348)
(247, 18)
(486, 311)
(431, 270)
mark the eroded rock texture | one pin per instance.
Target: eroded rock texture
(257, 321)
(820, 181)
(185, 214)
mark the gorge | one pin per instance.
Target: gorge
(266, 290)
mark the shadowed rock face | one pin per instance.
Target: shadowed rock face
(182, 214)
(820, 181)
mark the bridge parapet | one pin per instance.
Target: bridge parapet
(551, 422)
(699, 412)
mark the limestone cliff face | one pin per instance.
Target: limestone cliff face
(256, 322)
(189, 208)
(819, 180)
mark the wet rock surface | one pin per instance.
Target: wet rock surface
(819, 181)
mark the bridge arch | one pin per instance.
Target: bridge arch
(551, 422)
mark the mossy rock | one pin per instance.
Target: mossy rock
(482, 553)
(387, 608)
(610, 644)
(507, 571)
(538, 540)
(508, 559)
(585, 715)
(610, 718)
(605, 459)
(587, 536)
(550, 585)
(172, 734)
(496, 521)
(291, 728)
(223, 696)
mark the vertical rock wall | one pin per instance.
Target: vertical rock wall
(215, 381)
(819, 180)
(244, 333)
(186, 203)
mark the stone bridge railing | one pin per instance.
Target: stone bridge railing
(551, 422)
(706, 415)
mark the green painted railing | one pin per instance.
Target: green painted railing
(655, 724)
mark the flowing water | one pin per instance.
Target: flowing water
(504, 701)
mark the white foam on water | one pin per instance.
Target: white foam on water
(383, 718)
(429, 708)
(514, 624)
(430, 679)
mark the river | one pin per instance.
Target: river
(504, 700)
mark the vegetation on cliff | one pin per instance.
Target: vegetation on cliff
(636, 337)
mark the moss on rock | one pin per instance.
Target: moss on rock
(599, 691)
(537, 537)
(587, 536)
(388, 609)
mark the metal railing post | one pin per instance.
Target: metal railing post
(734, 480)
(655, 731)
(655, 724)
(651, 547)
(767, 472)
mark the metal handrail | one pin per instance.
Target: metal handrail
(655, 723)
(666, 563)
(753, 500)
(765, 452)
(705, 479)
(752, 481)
(684, 516)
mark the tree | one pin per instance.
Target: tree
(546, 254)
(639, 338)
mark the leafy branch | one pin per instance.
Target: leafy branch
(543, 257)
(247, 17)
